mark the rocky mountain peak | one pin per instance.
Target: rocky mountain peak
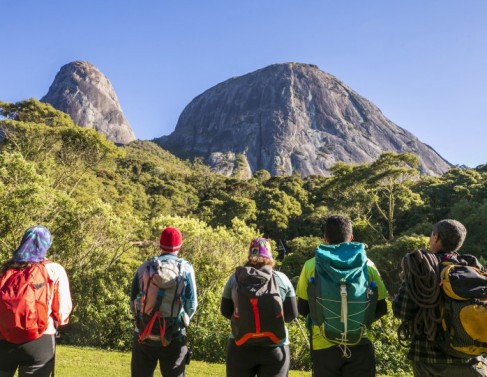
(289, 118)
(87, 95)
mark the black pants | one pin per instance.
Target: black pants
(257, 361)
(172, 359)
(476, 368)
(35, 358)
(330, 362)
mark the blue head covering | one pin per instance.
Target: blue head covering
(34, 245)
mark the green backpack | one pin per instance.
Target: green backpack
(342, 300)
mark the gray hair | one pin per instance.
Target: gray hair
(451, 233)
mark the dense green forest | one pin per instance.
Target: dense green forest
(106, 205)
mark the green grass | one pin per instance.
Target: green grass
(81, 362)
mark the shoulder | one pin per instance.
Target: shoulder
(374, 275)
(55, 270)
(282, 278)
(372, 269)
(187, 266)
(371, 265)
(310, 263)
(229, 285)
(284, 284)
(309, 267)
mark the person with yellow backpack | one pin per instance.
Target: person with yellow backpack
(442, 303)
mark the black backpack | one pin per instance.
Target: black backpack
(258, 317)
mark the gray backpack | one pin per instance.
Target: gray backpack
(158, 307)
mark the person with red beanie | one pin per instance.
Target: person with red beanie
(163, 300)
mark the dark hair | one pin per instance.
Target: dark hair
(337, 229)
(259, 262)
(13, 264)
(452, 233)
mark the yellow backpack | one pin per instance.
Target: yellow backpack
(464, 311)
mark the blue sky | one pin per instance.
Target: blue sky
(423, 63)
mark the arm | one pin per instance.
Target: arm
(303, 307)
(290, 309)
(226, 307)
(288, 296)
(190, 295)
(380, 309)
(61, 305)
(302, 287)
(402, 306)
(374, 275)
(134, 289)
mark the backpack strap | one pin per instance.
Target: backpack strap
(255, 310)
(155, 315)
(177, 297)
(148, 329)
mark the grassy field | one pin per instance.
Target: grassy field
(81, 362)
(88, 362)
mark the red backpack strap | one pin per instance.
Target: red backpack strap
(148, 329)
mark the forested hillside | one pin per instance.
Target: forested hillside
(105, 206)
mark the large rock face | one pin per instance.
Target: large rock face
(86, 94)
(289, 118)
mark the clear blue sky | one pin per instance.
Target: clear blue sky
(423, 63)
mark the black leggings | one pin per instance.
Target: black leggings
(35, 358)
(250, 361)
(172, 359)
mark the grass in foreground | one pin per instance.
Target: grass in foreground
(88, 362)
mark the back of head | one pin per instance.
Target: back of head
(260, 253)
(337, 229)
(452, 233)
(171, 240)
(34, 245)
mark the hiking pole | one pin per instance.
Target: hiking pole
(306, 340)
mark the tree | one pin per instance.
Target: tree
(275, 210)
(390, 178)
(34, 111)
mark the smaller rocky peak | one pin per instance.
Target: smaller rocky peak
(87, 95)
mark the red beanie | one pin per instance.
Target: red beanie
(171, 240)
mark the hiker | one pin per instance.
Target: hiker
(420, 304)
(341, 293)
(258, 300)
(163, 300)
(28, 326)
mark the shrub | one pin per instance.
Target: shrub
(388, 258)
